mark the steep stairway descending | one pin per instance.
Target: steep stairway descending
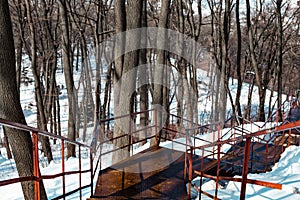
(292, 136)
(156, 173)
(249, 153)
(159, 173)
(293, 114)
(262, 158)
(292, 139)
(231, 163)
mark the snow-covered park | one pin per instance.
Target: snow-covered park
(286, 171)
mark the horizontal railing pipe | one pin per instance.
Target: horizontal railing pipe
(37, 177)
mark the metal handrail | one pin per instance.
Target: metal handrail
(244, 180)
(37, 177)
(154, 125)
(23, 127)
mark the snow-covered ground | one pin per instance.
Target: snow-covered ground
(210, 137)
(54, 187)
(285, 172)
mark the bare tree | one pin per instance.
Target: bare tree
(10, 107)
(261, 113)
(68, 72)
(120, 21)
(238, 59)
(279, 55)
(131, 60)
(38, 91)
(143, 75)
(161, 58)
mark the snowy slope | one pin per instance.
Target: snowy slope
(53, 187)
(286, 172)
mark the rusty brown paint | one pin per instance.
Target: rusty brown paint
(36, 174)
(79, 155)
(37, 177)
(164, 183)
(63, 166)
(190, 173)
(245, 168)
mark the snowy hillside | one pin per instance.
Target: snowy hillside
(53, 187)
(285, 172)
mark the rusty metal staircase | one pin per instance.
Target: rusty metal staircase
(249, 153)
(134, 178)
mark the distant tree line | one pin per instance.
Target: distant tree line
(256, 43)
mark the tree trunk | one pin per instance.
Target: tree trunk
(20, 141)
(68, 72)
(159, 71)
(225, 64)
(38, 91)
(238, 61)
(106, 93)
(20, 39)
(143, 75)
(19, 61)
(98, 29)
(279, 57)
(128, 81)
(120, 17)
(261, 112)
(248, 110)
(6, 144)
(58, 110)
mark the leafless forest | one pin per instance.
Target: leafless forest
(253, 41)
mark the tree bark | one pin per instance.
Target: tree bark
(131, 60)
(161, 59)
(37, 83)
(6, 144)
(238, 60)
(68, 72)
(279, 56)
(10, 108)
(261, 112)
(143, 75)
(120, 17)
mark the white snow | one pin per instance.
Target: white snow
(53, 186)
(285, 172)
(210, 137)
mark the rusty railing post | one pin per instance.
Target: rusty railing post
(36, 174)
(201, 178)
(155, 124)
(79, 155)
(194, 145)
(267, 152)
(130, 138)
(101, 143)
(63, 166)
(243, 127)
(91, 168)
(245, 168)
(100, 132)
(277, 117)
(185, 165)
(219, 161)
(190, 172)
(185, 156)
(213, 148)
(290, 135)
